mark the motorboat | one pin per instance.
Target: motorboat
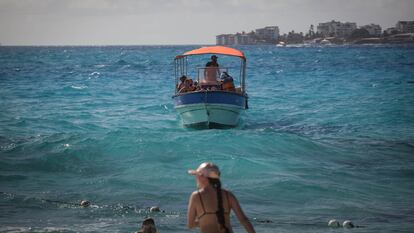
(325, 42)
(281, 44)
(216, 96)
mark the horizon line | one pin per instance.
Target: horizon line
(94, 45)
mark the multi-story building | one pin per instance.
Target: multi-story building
(336, 28)
(267, 35)
(325, 29)
(346, 29)
(373, 29)
(405, 26)
(225, 39)
(244, 39)
(270, 34)
(221, 39)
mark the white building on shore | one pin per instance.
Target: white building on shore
(266, 35)
(225, 39)
(405, 26)
(336, 29)
(235, 39)
(244, 38)
(270, 33)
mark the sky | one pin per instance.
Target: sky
(176, 22)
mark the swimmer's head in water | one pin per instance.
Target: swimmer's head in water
(348, 224)
(155, 209)
(206, 169)
(148, 226)
(148, 221)
(333, 223)
(85, 203)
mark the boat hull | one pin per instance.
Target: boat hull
(210, 108)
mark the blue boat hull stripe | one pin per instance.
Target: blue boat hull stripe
(210, 97)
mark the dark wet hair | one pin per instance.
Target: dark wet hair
(220, 210)
(148, 226)
(183, 78)
(148, 221)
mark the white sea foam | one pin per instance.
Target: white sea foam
(80, 87)
(8, 147)
(11, 229)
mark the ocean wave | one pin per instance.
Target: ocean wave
(317, 142)
(294, 127)
(8, 178)
(79, 87)
(94, 74)
(145, 65)
(101, 66)
(6, 144)
(121, 62)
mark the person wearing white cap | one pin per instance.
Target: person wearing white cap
(209, 207)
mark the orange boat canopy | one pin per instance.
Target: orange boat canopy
(214, 50)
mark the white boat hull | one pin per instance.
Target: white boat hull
(209, 114)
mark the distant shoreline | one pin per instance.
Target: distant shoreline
(114, 45)
(200, 45)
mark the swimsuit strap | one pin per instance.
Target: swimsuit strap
(204, 209)
(228, 200)
(202, 204)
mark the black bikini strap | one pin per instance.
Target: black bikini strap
(201, 201)
(228, 200)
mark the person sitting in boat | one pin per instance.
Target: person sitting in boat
(188, 86)
(227, 82)
(182, 83)
(211, 72)
(191, 87)
(196, 86)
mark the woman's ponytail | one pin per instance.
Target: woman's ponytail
(220, 210)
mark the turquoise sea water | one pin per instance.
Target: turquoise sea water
(329, 135)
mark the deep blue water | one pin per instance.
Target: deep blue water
(329, 135)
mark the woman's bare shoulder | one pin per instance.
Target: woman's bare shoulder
(195, 192)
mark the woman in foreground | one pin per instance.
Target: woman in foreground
(209, 207)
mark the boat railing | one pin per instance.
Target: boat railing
(211, 75)
(211, 79)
